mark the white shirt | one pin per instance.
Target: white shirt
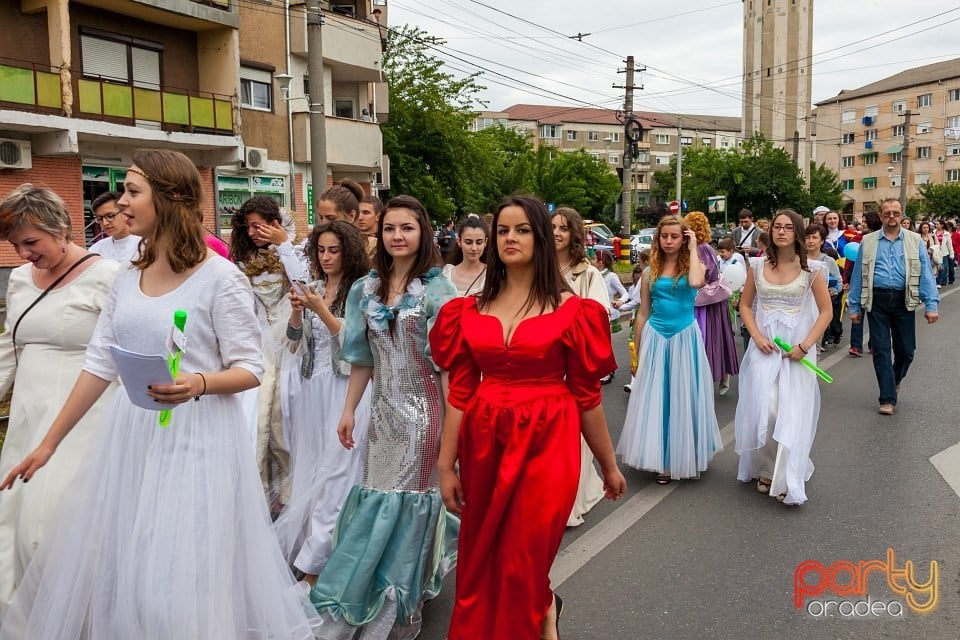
(123, 250)
(736, 258)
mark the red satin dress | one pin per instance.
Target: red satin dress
(519, 452)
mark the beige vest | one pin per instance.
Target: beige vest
(868, 258)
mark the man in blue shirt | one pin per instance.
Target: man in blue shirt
(890, 279)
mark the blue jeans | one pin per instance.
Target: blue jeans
(944, 271)
(856, 336)
(891, 326)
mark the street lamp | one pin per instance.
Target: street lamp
(283, 81)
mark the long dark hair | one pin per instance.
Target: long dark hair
(177, 200)
(798, 235)
(242, 247)
(548, 285)
(353, 258)
(472, 221)
(578, 232)
(428, 255)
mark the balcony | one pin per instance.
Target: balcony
(163, 108)
(25, 85)
(352, 145)
(192, 15)
(351, 48)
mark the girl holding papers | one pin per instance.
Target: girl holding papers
(166, 534)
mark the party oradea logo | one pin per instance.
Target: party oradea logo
(868, 589)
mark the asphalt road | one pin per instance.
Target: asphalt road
(715, 559)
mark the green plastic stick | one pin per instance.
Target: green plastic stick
(826, 377)
(173, 362)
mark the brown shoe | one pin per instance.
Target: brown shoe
(886, 410)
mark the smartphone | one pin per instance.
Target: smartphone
(300, 287)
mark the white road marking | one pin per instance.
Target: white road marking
(579, 552)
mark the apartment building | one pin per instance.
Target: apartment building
(85, 83)
(275, 103)
(600, 133)
(862, 134)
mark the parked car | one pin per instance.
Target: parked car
(640, 241)
(598, 236)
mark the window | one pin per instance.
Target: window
(849, 115)
(550, 131)
(613, 158)
(953, 122)
(921, 178)
(724, 142)
(661, 160)
(953, 175)
(898, 130)
(896, 157)
(848, 185)
(870, 158)
(925, 100)
(870, 134)
(848, 138)
(256, 89)
(344, 108)
(924, 127)
(662, 138)
(869, 183)
(898, 106)
(686, 141)
(615, 136)
(571, 135)
(121, 59)
(871, 111)
(595, 155)
(848, 161)
(953, 95)
(923, 153)
(706, 142)
(593, 136)
(953, 149)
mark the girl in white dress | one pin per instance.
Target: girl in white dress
(166, 534)
(570, 234)
(469, 273)
(51, 339)
(323, 470)
(784, 297)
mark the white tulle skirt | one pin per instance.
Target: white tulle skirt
(671, 425)
(166, 534)
(323, 471)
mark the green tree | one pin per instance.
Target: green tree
(825, 190)
(503, 165)
(940, 200)
(428, 134)
(575, 179)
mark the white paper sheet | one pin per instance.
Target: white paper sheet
(137, 371)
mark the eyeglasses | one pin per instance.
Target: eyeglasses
(783, 227)
(891, 214)
(109, 217)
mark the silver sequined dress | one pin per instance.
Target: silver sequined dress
(394, 540)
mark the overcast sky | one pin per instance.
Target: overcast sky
(683, 44)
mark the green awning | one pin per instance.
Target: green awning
(894, 148)
(868, 181)
(869, 152)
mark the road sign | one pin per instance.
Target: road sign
(684, 205)
(673, 207)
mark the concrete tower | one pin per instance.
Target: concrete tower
(777, 45)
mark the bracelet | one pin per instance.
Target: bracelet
(800, 346)
(196, 398)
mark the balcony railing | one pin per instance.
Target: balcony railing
(23, 83)
(168, 108)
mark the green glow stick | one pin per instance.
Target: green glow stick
(826, 377)
(173, 363)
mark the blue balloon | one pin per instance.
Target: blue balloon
(851, 251)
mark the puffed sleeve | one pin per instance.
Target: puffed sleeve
(438, 292)
(98, 360)
(452, 353)
(8, 360)
(709, 260)
(294, 261)
(355, 349)
(235, 321)
(589, 353)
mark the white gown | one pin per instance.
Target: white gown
(780, 398)
(323, 470)
(167, 533)
(52, 340)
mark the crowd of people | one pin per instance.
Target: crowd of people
(356, 412)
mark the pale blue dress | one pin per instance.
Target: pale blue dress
(671, 426)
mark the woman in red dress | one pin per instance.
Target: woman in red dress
(524, 360)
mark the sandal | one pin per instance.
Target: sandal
(763, 487)
(663, 478)
(782, 497)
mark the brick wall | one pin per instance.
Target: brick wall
(62, 174)
(209, 199)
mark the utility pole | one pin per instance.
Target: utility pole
(904, 158)
(318, 122)
(679, 163)
(626, 189)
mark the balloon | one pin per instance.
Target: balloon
(735, 275)
(851, 251)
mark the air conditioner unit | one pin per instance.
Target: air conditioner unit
(15, 154)
(895, 181)
(254, 158)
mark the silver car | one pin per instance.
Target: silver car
(640, 241)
